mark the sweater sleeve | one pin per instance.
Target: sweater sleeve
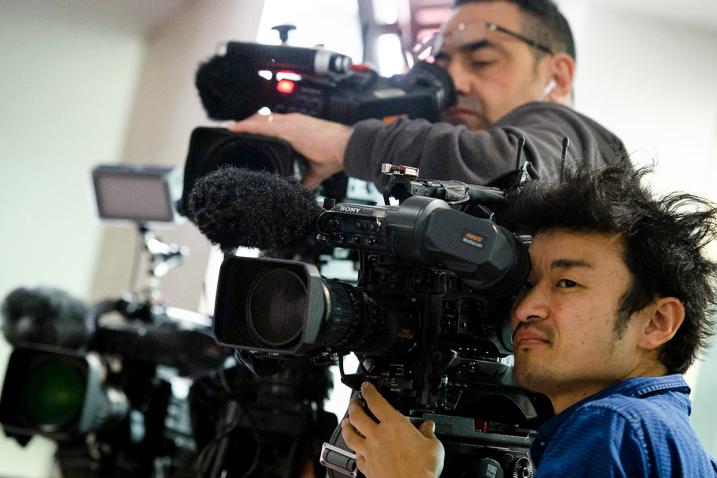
(444, 151)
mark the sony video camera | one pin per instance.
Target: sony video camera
(429, 317)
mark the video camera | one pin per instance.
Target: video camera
(429, 317)
(98, 379)
(133, 387)
(115, 388)
(245, 77)
(254, 426)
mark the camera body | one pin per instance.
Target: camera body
(429, 315)
(106, 402)
(428, 318)
(248, 76)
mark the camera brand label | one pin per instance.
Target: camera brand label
(472, 239)
(389, 93)
(353, 210)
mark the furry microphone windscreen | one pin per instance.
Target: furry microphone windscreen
(230, 89)
(45, 315)
(236, 207)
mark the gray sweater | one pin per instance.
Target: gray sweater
(444, 151)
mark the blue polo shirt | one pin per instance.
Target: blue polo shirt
(635, 428)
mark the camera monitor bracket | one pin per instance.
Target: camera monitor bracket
(137, 193)
(143, 194)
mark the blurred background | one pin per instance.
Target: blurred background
(86, 82)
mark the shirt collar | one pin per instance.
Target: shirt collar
(632, 387)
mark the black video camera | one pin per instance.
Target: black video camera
(108, 387)
(429, 317)
(276, 424)
(248, 76)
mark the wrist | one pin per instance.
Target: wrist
(343, 136)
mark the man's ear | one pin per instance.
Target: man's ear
(664, 318)
(562, 71)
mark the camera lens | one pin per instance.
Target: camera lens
(275, 307)
(53, 394)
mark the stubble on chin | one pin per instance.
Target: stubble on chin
(468, 111)
(530, 375)
(472, 122)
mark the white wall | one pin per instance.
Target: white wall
(166, 110)
(653, 83)
(66, 91)
(331, 23)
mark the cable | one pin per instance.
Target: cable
(211, 458)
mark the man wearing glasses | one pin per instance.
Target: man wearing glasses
(513, 63)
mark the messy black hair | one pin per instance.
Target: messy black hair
(664, 241)
(543, 23)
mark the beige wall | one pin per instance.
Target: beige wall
(66, 91)
(166, 109)
(651, 81)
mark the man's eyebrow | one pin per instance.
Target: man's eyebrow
(569, 264)
(467, 48)
(476, 45)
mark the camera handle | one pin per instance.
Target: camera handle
(461, 435)
(283, 32)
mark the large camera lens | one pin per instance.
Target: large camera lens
(245, 154)
(53, 394)
(275, 307)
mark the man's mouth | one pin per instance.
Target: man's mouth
(529, 337)
(460, 112)
(467, 110)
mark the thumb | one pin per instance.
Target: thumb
(311, 180)
(427, 428)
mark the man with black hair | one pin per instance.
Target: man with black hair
(513, 63)
(617, 306)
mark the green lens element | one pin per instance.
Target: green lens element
(53, 394)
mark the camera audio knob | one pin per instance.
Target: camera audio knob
(521, 468)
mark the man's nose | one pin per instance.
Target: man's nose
(462, 78)
(531, 307)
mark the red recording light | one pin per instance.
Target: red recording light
(285, 86)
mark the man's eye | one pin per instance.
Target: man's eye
(482, 59)
(567, 283)
(480, 63)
